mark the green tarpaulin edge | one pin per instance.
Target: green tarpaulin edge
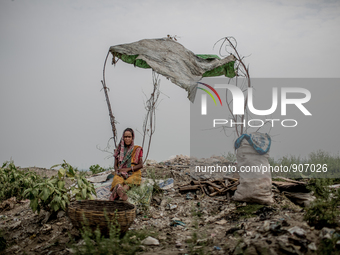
(226, 69)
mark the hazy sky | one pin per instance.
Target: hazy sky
(52, 54)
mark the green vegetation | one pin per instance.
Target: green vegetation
(151, 174)
(230, 157)
(14, 182)
(52, 195)
(96, 169)
(323, 211)
(196, 210)
(95, 243)
(249, 210)
(328, 246)
(321, 164)
(139, 196)
(198, 243)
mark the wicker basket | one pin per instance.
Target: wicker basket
(93, 211)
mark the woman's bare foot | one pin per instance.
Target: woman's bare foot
(122, 193)
(114, 194)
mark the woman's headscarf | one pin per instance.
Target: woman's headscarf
(124, 153)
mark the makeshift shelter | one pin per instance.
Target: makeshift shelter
(170, 59)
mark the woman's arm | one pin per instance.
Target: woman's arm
(139, 166)
(116, 165)
(132, 168)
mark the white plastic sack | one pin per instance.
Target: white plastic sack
(254, 187)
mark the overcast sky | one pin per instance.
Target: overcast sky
(52, 54)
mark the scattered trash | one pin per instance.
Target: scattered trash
(189, 197)
(217, 248)
(175, 218)
(167, 184)
(337, 244)
(178, 244)
(312, 246)
(46, 228)
(221, 222)
(266, 225)
(175, 223)
(327, 233)
(275, 228)
(297, 231)
(150, 241)
(8, 204)
(3, 217)
(171, 206)
(100, 178)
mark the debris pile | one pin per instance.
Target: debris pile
(185, 216)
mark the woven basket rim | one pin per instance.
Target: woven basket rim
(77, 205)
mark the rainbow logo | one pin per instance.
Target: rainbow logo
(213, 90)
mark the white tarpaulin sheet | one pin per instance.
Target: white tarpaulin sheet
(172, 60)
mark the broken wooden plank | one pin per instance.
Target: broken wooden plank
(189, 187)
(230, 178)
(291, 187)
(213, 184)
(289, 180)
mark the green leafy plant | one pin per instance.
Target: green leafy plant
(96, 169)
(139, 196)
(323, 211)
(230, 157)
(13, 182)
(320, 187)
(198, 248)
(328, 246)
(195, 210)
(52, 194)
(151, 174)
(95, 243)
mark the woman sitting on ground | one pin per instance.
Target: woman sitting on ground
(128, 162)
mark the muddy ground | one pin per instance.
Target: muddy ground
(208, 225)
